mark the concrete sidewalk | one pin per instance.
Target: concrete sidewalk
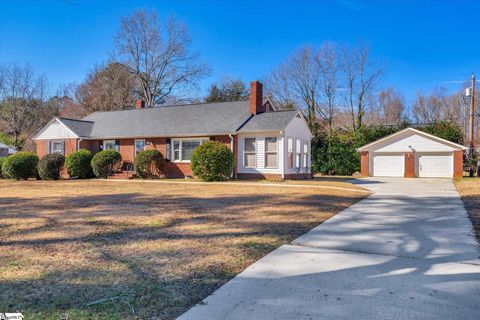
(406, 252)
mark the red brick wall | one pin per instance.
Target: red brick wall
(364, 164)
(127, 149)
(43, 145)
(42, 148)
(458, 164)
(409, 165)
(177, 169)
(70, 146)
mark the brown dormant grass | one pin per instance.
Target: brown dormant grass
(469, 189)
(132, 250)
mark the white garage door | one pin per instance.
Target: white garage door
(435, 165)
(388, 165)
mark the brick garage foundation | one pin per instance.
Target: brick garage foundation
(364, 164)
(409, 165)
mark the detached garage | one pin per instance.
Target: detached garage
(412, 153)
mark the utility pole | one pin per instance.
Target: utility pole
(472, 115)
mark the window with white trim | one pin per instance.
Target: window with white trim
(139, 145)
(271, 155)
(290, 152)
(298, 152)
(249, 153)
(305, 154)
(110, 144)
(182, 149)
(57, 147)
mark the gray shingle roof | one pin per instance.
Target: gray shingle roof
(80, 127)
(182, 120)
(269, 121)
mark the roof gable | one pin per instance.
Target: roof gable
(55, 129)
(408, 139)
(269, 121)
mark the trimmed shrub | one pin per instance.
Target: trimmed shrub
(50, 165)
(148, 164)
(21, 165)
(78, 164)
(2, 160)
(212, 161)
(103, 163)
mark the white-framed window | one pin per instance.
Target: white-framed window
(57, 146)
(182, 149)
(110, 144)
(298, 152)
(290, 152)
(250, 153)
(271, 155)
(305, 154)
(139, 145)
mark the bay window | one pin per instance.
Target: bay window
(271, 152)
(182, 149)
(290, 152)
(305, 154)
(249, 153)
(298, 152)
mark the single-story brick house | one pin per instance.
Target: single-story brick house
(412, 153)
(266, 143)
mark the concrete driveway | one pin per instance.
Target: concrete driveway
(406, 252)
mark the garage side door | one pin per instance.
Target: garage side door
(388, 165)
(435, 165)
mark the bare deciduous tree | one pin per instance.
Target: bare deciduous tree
(361, 76)
(22, 94)
(328, 64)
(388, 108)
(297, 83)
(107, 88)
(158, 55)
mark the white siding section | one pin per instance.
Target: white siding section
(298, 129)
(260, 153)
(402, 143)
(56, 130)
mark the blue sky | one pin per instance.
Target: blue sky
(423, 44)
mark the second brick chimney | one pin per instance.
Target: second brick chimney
(256, 97)
(139, 104)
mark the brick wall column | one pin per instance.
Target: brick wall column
(409, 165)
(364, 164)
(458, 164)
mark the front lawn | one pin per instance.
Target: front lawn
(132, 250)
(469, 190)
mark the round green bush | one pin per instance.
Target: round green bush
(2, 160)
(212, 161)
(21, 165)
(148, 164)
(78, 164)
(103, 163)
(50, 165)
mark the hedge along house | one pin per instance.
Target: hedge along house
(412, 153)
(266, 143)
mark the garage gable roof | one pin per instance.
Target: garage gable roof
(413, 131)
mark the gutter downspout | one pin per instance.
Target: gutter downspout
(233, 151)
(78, 143)
(282, 133)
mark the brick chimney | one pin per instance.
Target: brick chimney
(139, 104)
(256, 97)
